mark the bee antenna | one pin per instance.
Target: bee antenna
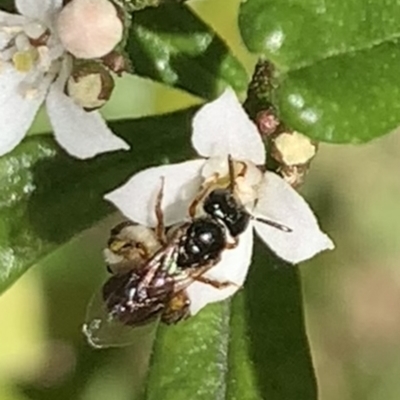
(231, 173)
(274, 224)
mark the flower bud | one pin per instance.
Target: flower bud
(89, 28)
(293, 152)
(293, 148)
(267, 122)
(90, 85)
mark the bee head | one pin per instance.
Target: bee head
(221, 204)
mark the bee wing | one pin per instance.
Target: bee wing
(103, 330)
(104, 327)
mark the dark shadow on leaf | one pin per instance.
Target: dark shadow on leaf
(278, 341)
(8, 6)
(172, 45)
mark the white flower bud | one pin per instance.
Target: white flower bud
(90, 86)
(293, 148)
(89, 28)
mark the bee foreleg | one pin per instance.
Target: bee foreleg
(215, 283)
(201, 195)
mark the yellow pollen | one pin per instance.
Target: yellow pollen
(24, 60)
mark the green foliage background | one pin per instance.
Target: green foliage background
(351, 295)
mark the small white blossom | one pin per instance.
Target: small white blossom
(34, 68)
(222, 128)
(89, 28)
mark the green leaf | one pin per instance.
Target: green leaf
(253, 348)
(8, 5)
(47, 196)
(336, 64)
(172, 45)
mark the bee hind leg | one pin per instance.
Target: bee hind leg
(178, 309)
(160, 228)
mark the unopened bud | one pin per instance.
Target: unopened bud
(89, 28)
(293, 148)
(267, 122)
(90, 86)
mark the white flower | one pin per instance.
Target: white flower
(34, 68)
(222, 128)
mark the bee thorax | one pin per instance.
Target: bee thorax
(203, 242)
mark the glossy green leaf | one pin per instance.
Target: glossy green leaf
(47, 196)
(172, 45)
(252, 348)
(336, 64)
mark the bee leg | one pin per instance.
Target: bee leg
(160, 228)
(215, 283)
(244, 169)
(200, 196)
(231, 169)
(177, 309)
(233, 174)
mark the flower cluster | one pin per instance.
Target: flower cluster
(37, 49)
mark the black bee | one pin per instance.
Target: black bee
(155, 287)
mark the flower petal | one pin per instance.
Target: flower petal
(279, 202)
(82, 134)
(136, 199)
(8, 19)
(222, 127)
(233, 267)
(17, 110)
(37, 9)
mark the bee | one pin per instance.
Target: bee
(153, 268)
